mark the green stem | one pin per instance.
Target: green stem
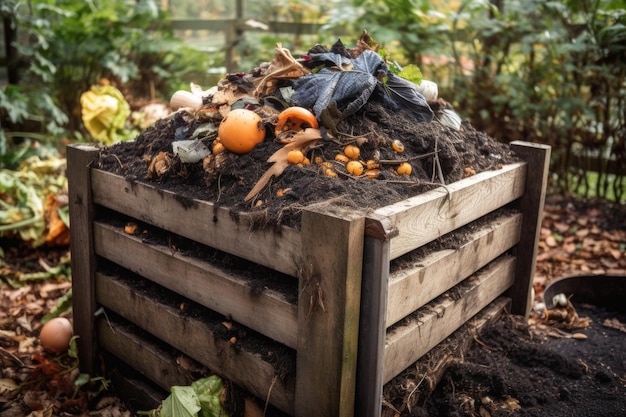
(20, 224)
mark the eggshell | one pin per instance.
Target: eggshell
(55, 335)
(182, 98)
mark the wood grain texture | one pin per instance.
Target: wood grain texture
(538, 158)
(374, 296)
(435, 363)
(426, 217)
(407, 342)
(200, 221)
(83, 262)
(413, 286)
(328, 312)
(149, 359)
(193, 337)
(265, 311)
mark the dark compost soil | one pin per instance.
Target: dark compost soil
(516, 369)
(459, 154)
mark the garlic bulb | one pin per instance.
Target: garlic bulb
(559, 300)
(429, 90)
(450, 118)
(182, 98)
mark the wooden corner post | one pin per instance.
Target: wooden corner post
(373, 328)
(538, 158)
(328, 313)
(79, 160)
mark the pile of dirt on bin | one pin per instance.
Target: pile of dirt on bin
(439, 152)
(459, 154)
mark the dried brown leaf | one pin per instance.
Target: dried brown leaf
(302, 140)
(283, 66)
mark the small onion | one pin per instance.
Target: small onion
(295, 157)
(404, 169)
(354, 168)
(352, 151)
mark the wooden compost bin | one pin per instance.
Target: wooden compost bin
(346, 325)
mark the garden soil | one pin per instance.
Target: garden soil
(437, 154)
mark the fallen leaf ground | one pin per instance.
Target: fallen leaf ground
(515, 368)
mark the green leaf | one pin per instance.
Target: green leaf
(62, 305)
(209, 391)
(412, 73)
(73, 350)
(182, 402)
(81, 380)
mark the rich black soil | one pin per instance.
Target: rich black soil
(516, 370)
(458, 153)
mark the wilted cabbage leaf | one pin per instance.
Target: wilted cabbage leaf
(22, 197)
(200, 399)
(182, 402)
(209, 391)
(104, 112)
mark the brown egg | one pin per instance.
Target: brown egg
(56, 334)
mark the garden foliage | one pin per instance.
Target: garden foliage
(551, 72)
(62, 48)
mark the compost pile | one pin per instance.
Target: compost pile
(349, 96)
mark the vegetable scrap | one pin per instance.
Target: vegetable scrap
(336, 122)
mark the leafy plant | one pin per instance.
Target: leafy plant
(200, 399)
(68, 45)
(549, 72)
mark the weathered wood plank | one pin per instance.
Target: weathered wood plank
(425, 217)
(150, 360)
(195, 338)
(374, 296)
(200, 221)
(434, 363)
(538, 158)
(218, 25)
(413, 286)
(265, 311)
(408, 342)
(328, 313)
(82, 212)
(139, 392)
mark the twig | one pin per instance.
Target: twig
(12, 357)
(408, 399)
(269, 394)
(483, 344)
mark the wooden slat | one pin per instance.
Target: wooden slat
(425, 217)
(434, 363)
(200, 221)
(194, 338)
(412, 287)
(406, 343)
(147, 358)
(219, 25)
(82, 211)
(265, 311)
(538, 158)
(374, 296)
(137, 390)
(328, 313)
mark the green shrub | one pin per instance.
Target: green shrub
(65, 46)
